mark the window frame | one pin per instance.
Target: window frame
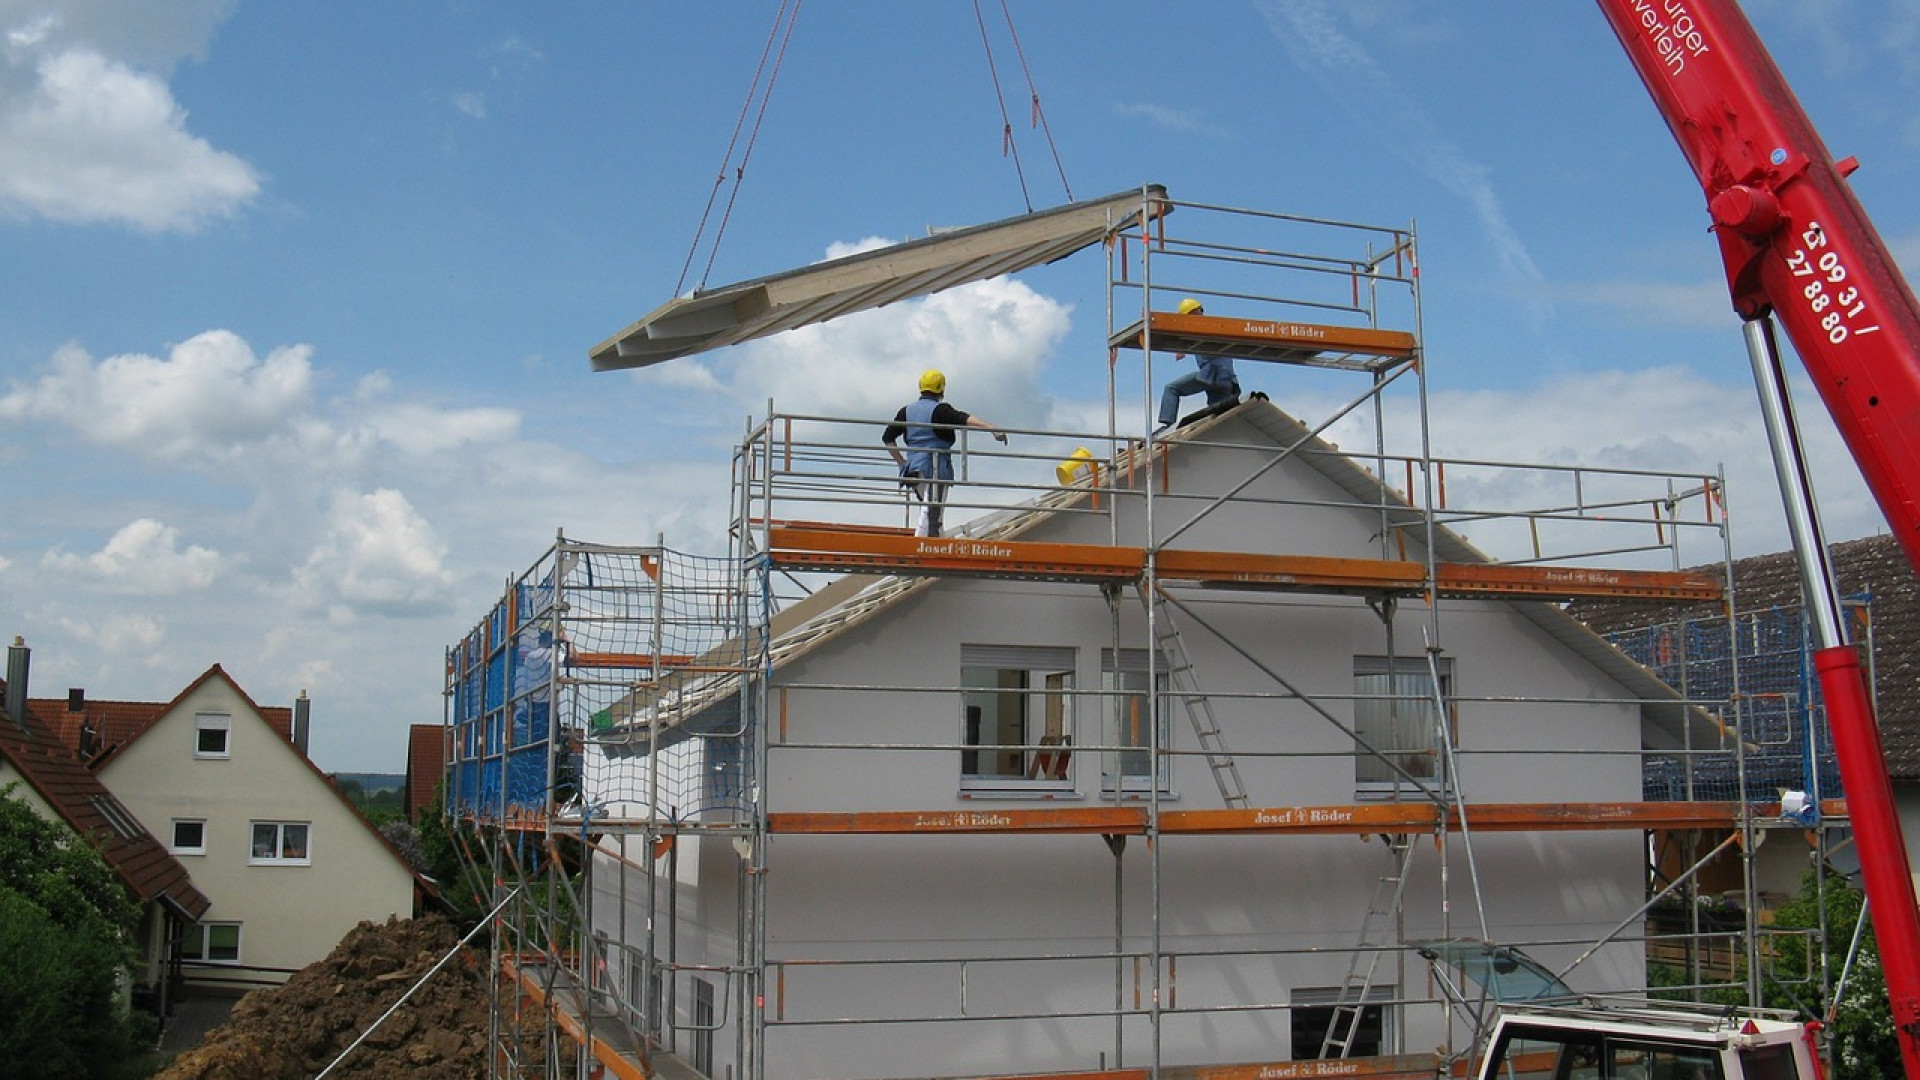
(200, 934)
(280, 843)
(173, 837)
(1050, 680)
(1392, 785)
(1311, 1008)
(205, 723)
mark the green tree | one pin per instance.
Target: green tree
(1861, 1027)
(66, 933)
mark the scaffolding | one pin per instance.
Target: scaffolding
(688, 780)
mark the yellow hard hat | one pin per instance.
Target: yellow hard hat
(1189, 306)
(932, 382)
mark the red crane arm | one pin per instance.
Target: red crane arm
(1796, 244)
(1794, 239)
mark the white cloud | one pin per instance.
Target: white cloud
(471, 104)
(989, 337)
(143, 558)
(86, 138)
(1170, 119)
(378, 555)
(117, 635)
(421, 429)
(208, 400)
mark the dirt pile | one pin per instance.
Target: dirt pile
(294, 1031)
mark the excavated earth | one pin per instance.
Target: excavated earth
(296, 1030)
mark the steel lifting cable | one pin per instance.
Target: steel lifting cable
(1039, 118)
(790, 16)
(1007, 146)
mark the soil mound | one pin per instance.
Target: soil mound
(295, 1030)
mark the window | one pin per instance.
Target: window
(1018, 709)
(280, 842)
(1318, 1023)
(189, 836)
(211, 942)
(1127, 722)
(119, 819)
(1394, 714)
(703, 1026)
(210, 738)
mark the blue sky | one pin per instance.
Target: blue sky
(293, 347)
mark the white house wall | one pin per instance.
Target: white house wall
(291, 915)
(1033, 901)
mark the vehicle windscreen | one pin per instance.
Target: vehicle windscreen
(1527, 1052)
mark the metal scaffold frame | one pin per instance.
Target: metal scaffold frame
(633, 726)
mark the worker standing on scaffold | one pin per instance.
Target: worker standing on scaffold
(928, 425)
(1214, 378)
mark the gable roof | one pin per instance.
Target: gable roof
(97, 729)
(1874, 567)
(852, 600)
(60, 778)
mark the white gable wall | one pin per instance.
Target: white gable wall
(291, 913)
(1239, 912)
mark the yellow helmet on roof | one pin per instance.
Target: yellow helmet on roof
(932, 382)
(1190, 305)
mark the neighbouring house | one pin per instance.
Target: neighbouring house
(286, 863)
(426, 764)
(38, 768)
(1690, 645)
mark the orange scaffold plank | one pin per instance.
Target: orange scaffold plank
(834, 549)
(1282, 341)
(625, 1062)
(821, 549)
(1360, 818)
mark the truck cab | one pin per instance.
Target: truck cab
(1551, 1042)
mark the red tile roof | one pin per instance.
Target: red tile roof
(98, 728)
(58, 776)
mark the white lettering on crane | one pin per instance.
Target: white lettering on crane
(1673, 31)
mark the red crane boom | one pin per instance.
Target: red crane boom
(1798, 247)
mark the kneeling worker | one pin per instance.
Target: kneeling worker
(1214, 378)
(928, 425)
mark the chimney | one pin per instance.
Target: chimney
(301, 707)
(76, 699)
(19, 659)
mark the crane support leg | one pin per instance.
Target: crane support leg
(1856, 737)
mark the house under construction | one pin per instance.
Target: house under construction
(1219, 751)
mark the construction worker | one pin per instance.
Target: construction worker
(1214, 378)
(928, 425)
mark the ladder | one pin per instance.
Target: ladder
(1376, 933)
(1182, 684)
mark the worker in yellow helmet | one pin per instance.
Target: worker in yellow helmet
(927, 425)
(1214, 378)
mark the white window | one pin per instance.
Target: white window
(1321, 1025)
(280, 842)
(189, 836)
(212, 943)
(210, 735)
(1017, 712)
(1128, 720)
(1396, 723)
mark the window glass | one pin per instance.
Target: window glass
(1128, 718)
(1317, 1022)
(279, 841)
(210, 735)
(1018, 715)
(212, 942)
(1394, 713)
(190, 836)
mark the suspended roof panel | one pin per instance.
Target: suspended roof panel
(731, 314)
